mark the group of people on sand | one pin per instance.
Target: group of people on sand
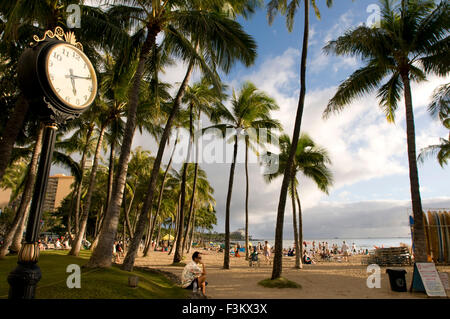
(326, 252)
(61, 242)
(261, 249)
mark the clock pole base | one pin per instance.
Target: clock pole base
(23, 281)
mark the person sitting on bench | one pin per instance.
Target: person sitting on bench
(194, 277)
(254, 257)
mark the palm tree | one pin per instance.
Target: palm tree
(310, 160)
(201, 194)
(439, 107)
(13, 238)
(22, 20)
(225, 51)
(20, 217)
(199, 98)
(176, 19)
(289, 10)
(250, 110)
(411, 41)
(160, 198)
(103, 119)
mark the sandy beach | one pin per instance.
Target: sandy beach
(335, 280)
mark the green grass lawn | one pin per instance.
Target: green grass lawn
(279, 283)
(111, 283)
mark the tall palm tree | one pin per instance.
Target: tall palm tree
(177, 20)
(250, 110)
(199, 97)
(310, 160)
(440, 108)
(103, 119)
(201, 193)
(411, 42)
(289, 10)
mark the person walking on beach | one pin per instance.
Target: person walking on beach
(345, 250)
(267, 252)
(194, 276)
(354, 248)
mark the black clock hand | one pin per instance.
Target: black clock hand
(81, 77)
(71, 76)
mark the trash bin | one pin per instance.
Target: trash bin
(397, 279)
(133, 281)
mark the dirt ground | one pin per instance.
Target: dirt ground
(321, 280)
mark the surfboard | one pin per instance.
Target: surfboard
(427, 237)
(443, 235)
(439, 232)
(447, 239)
(433, 236)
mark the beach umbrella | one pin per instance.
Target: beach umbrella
(168, 237)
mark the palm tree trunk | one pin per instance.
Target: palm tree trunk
(178, 249)
(226, 259)
(300, 227)
(80, 183)
(160, 196)
(17, 241)
(95, 242)
(148, 201)
(159, 233)
(102, 255)
(137, 214)
(124, 234)
(11, 131)
(191, 207)
(97, 221)
(175, 237)
(126, 212)
(87, 201)
(148, 241)
(183, 186)
(191, 238)
(294, 221)
(13, 237)
(419, 242)
(170, 233)
(110, 173)
(278, 258)
(246, 198)
(70, 216)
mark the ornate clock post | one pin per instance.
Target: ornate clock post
(60, 83)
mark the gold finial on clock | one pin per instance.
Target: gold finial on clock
(60, 35)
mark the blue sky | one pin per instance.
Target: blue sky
(370, 196)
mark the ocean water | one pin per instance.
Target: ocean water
(361, 243)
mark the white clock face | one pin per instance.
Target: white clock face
(71, 75)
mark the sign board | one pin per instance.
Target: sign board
(445, 280)
(427, 278)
